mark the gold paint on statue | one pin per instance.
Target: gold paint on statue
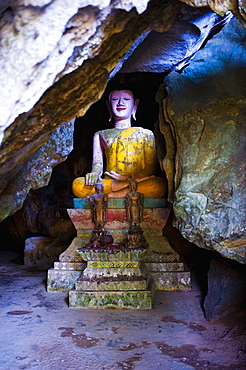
(128, 150)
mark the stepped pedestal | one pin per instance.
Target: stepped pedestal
(162, 262)
(113, 279)
(168, 271)
(64, 275)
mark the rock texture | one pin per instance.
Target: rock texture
(43, 40)
(221, 7)
(172, 50)
(41, 44)
(205, 124)
(226, 289)
(42, 251)
(35, 171)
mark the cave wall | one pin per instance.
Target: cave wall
(69, 52)
(41, 41)
(55, 63)
(204, 116)
(56, 60)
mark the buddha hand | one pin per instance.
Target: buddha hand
(116, 176)
(91, 178)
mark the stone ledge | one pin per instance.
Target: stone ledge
(117, 203)
(120, 234)
(162, 257)
(61, 280)
(76, 266)
(70, 254)
(164, 266)
(119, 285)
(135, 299)
(115, 272)
(105, 254)
(171, 280)
(111, 264)
(153, 218)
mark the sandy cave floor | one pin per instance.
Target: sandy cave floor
(39, 331)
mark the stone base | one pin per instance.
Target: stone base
(61, 280)
(134, 299)
(113, 279)
(113, 275)
(70, 254)
(88, 285)
(171, 280)
(161, 261)
(77, 266)
(68, 269)
(165, 266)
(42, 251)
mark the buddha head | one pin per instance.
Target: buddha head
(133, 185)
(99, 187)
(121, 105)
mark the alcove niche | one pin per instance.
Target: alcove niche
(44, 210)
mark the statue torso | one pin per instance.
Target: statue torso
(129, 150)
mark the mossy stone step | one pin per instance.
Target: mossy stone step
(104, 284)
(134, 299)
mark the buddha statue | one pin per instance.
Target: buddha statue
(128, 151)
(99, 205)
(134, 205)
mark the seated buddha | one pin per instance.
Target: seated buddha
(128, 151)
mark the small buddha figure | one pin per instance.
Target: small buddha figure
(128, 150)
(134, 206)
(99, 207)
(133, 240)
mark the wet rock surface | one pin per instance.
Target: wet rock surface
(41, 332)
(42, 251)
(226, 289)
(35, 170)
(205, 111)
(174, 48)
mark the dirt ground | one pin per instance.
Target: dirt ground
(39, 331)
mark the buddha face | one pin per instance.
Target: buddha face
(122, 104)
(133, 185)
(99, 188)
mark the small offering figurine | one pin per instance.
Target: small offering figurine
(134, 206)
(133, 240)
(99, 207)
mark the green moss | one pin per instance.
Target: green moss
(121, 300)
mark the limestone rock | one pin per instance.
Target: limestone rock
(205, 113)
(35, 172)
(44, 40)
(226, 290)
(42, 251)
(172, 49)
(221, 7)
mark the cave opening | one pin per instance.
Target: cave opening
(44, 209)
